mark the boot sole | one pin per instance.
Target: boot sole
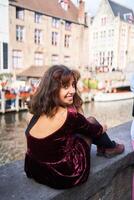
(108, 155)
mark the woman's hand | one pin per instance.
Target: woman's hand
(104, 128)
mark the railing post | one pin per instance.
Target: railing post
(3, 102)
(17, 103)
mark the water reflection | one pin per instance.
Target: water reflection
(12, 137)
(110, 113)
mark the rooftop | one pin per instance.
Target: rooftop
(126, 14)
(50, 8)
(33, 72)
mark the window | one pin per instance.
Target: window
(55, 59)
(68, 25)
(5, 56)
(54, 38)
(123, 32)
(55, 22)
(112, 55)
(103, 21)
(19, 13)
(66, 60)
(17, 59)
(128, 17)
(19, 33)
(67, 41)
(112, 31)
(38, 58)
(38, 36)
(104, 34)
(37, 17)
(103, 58)
(100, 58)
(96, 59)
(101, 34)
(108, 58)
(96, 35)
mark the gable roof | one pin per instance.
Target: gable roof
(33, 72)
(120, 10)
(50, 8)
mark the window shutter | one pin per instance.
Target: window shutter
(5, 56)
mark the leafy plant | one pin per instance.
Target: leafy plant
(5, 76)
(90, 83)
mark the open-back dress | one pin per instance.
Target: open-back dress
(62, 159)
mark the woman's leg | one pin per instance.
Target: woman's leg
(104, 139)
(105, 146)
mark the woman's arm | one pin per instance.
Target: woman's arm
(93, 120)
(89, 127)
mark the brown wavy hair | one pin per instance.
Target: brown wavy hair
(46, 98)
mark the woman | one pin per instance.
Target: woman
(59, 136)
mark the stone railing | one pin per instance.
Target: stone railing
(110, 179)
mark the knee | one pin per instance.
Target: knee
(91, 119)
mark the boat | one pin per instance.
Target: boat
(105, 97)
(86, 97)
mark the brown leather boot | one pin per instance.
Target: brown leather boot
(110, 152)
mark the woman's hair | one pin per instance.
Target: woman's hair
(46, 98)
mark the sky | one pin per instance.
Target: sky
(92, 5)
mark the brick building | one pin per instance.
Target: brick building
(43, 33)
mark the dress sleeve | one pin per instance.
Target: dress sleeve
(86, 128)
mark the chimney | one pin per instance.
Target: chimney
(64, 4)
(81, 12)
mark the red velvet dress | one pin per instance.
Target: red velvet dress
(62, 159)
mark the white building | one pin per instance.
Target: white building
(112, 36)
(4, 36)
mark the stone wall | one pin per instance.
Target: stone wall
(110, 179)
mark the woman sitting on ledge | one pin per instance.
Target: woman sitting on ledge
(59, 136)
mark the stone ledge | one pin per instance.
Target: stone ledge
(110, 179)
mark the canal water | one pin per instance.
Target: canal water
(12, 126)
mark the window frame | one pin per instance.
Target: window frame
(17, 56)
(20, 13)
(54, 39)
(38, 35)
(37, 17)
(19, 33)
(38, 59)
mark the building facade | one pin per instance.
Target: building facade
(47, 33)
(112, 37)
(4, 36)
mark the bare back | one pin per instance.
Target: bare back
(45, 126)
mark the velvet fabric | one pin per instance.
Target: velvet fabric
(62, 159)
